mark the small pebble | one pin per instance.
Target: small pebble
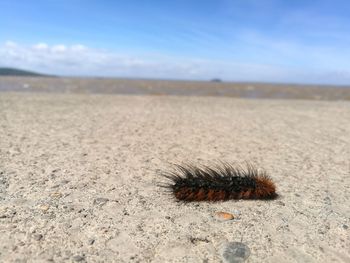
(225, 216)
(196, 240)
(56, 195)
(281, 203)
(100, 201)
(235, 252)
(237, 212)
(91, 241)
(38, 237)
(78, 258)
(44, 208)
(64, 182)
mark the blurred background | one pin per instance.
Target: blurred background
(244, 41)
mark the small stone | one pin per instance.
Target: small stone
(100, 201)
(345, 226)
(3, 213)
(56, 195)
(64, 182)
(224, 216)
(196, 240)
(38, 237)
(281, 203)
(235, 252)
(327, 199)
(44, 208)
(78, 258)
(236, 212)
(91, 241)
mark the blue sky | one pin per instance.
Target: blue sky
(246, 40)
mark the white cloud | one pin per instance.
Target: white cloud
(58, 48)
(41, 46)
(78, 47)
(79, 60)
(69, 60)
(10, 44)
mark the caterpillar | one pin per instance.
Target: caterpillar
(218, 182)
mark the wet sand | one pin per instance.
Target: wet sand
(172, 87)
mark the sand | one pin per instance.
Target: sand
(78, 178)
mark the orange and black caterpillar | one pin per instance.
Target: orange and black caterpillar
(222, 181)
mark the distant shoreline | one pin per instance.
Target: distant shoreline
(98, 85)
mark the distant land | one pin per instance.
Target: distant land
(19, 72)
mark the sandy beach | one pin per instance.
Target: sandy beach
(79, 174)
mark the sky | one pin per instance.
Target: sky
(291, 41)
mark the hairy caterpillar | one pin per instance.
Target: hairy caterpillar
(221, 181)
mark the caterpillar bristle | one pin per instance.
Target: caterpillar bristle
(218, 182)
